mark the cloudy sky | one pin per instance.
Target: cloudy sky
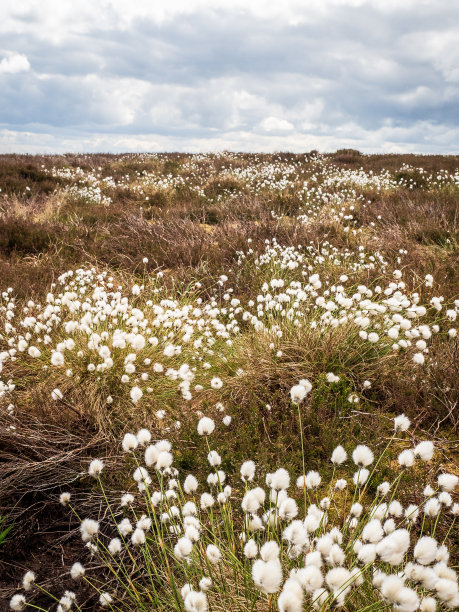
(243, 75)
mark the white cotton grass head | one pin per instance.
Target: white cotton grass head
(310, 577)
(196, 601)
(130, 442)
(366, 553)
(393, 547)
(291, 597)
(373, 532)
(424, 450)
(340, 484)
(89, 528)
(164, 460)
(312, 480)
(125, 527)
(66, 601)
(213, 554)
(279, 480)
(205, 426)
(339, 456)
(362, 456)
(251, 549)
(183, 548)
(287, 509)
(361, 477)
(270, 551)
(190, 484)
(141, 475)
(28, 581)
(338, 581)
(64, 498)
(105, 600)
(205, 583)
(95, 468)
(115, 546)
(216, 382)
(320, 598)
(401, 423)
(136, 393)
(428, 604)
(425, 550)
(447, 482)
(247, 471)
(207, 501)
(314, 559)
(432, 507)
(214, 458)
(138, 537)
(411, 513)
(390, 587)
(143, 436)
(406, 458)
(298, 392)
(383, 488)
(267, 575)
(127, 499)
(77, 571)
(445, 499)
(18, 602)
(151, 454)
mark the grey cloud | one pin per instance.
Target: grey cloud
(219, 75)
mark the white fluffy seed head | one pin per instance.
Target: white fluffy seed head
(213, 554)
(406, 458)
(138, 537)
(105, 600)
(279, 480)
(373, 531)
(267, 575)
(425, 550)
(205, 426)
(77, 571)
(448, 482)
(183, 548)
(190, 485)
(95, 467)
(362, 456)
(393, 547)
(18, 602)
(339, 456)
(401, 423)
(143, 436)
(130, 442)
(115, 546)
(196, 601)
(88, 528)
(251, 549)
(269, 551)
(424, 450)
(28, 581)
(135, 394)
(247, 471)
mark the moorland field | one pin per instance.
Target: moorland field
(229, 381)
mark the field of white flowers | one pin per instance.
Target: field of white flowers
(229, 382)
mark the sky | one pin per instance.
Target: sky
(239, 75)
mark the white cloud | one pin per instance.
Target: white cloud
(274, 124)
(13, 63)
(188, 74)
